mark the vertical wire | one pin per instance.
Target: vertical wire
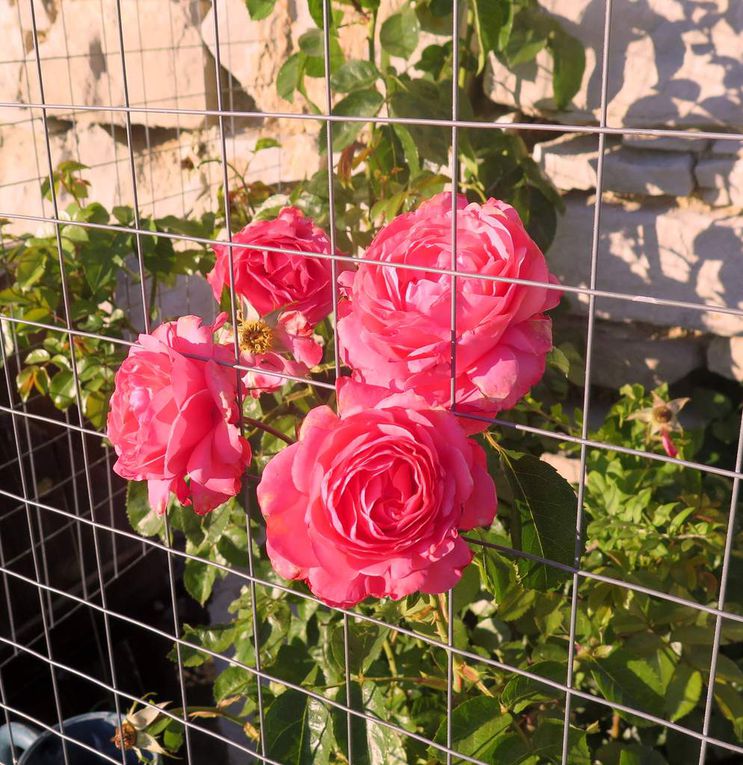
(730, 533)
(327, 20)
(236, 347)
(456, 9)
(32, 541)
(73, 360)
(587, 383)
(148, 143)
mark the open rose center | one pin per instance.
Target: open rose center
(255, 337)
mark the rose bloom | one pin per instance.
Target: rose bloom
(275, 280)
(370, 502)
(173, 419)
(282, 344)
(395, 328)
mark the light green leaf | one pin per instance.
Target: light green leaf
(199, 579)
(683, 692)
(360, 103)
(260, 9)
(399, 33)
(290, 76)
(354, 75)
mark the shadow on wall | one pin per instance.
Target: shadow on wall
(671, 63)
(655, 250)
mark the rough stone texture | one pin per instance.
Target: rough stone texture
(721, 179)
(726, 146)
(665, 250)
(637, 352)
(571, 162)
(634, 171)
(666, 143)
(672, 63)
(725, 356)
(167, 64)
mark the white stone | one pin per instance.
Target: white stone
(654, 250)
(721, 180)
(167, 64)
(634, 171)
(665, 143)
(571, 162)
(671, 63)
(725, 357)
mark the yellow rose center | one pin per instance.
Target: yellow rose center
(255, 337)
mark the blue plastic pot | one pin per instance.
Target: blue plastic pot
(36, 747)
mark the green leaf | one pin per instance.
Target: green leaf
(266, 143)
(260, 9)
(626, 679)
(409, 148)
(290, 76)
(521, 691)
(360, 103)
(233, 681)
(491, 17)
(37, 356)
(511, 749)
(298, 730)
(616, 753)
(547, 509)
(475, 726)
(399, 33)
(31, 267)
(683, 692)
(546, 743)
(62, 389)
(142, 518)
(373, 744)
(315, 8)
(364, 645)
(496, 572)
(569, 63)
(199, 579)
(354, 75)
(730, 703)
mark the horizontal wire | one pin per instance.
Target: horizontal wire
(502, 666)
(421, 121)
(612, 295)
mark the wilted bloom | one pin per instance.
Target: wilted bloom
(395, 327)
(662, 418)
(370, 502)
(173, 418)
(282, 343)
(132, 734)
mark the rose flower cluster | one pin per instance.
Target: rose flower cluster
(371, 499)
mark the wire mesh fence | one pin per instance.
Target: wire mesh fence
(67, 555)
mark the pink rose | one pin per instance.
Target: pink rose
(173, 419)
(283, 345)
(270, 281)
(370, 502)
(395, 329)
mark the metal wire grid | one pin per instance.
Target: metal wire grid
(81, 519)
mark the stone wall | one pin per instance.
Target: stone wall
(671, 209)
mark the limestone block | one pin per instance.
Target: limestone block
(666, 143)
(721, 179)
(656, 249)
(671, 63)
(167, 65)
(571, 162)
(651, 173)
(725, 356)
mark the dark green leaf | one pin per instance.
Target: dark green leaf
(360, 103)
(399, 33)
(199, 579)
(616, 753)
(684, 691)
(364, 645)
(547, 510)
(522, 691)
(409, 148)
(290, 76)
(569, 64)
(491, 17)
(260, 9)
(546, 743)
(354, 75)
(475, 726)
(233, 681)
(62, 389)
(298, 730)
